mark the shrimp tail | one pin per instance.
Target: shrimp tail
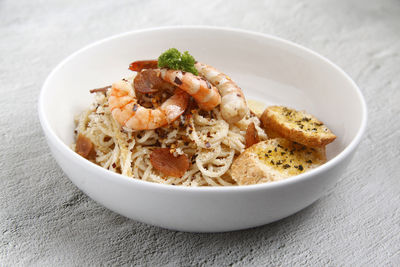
(143, 64)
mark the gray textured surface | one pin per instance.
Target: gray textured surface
(46, 220)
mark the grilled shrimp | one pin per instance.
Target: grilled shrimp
(205, 94)
(126, 110)
(233, 103)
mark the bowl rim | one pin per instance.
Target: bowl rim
(119, 178)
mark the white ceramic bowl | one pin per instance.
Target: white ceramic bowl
(268, 69)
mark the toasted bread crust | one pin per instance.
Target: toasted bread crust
(271, 133)
(252, 173)
(296, 126)
(275, 159)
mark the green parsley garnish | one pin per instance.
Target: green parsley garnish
(173, 59)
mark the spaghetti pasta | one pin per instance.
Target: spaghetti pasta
(210, 143)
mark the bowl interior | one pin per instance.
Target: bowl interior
(267, 69)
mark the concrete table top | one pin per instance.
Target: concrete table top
(45, 220)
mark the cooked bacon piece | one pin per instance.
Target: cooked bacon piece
(164, 161)
(149, 81)
(84, 146)
(251, 136)
(103, 89)
(143, 64)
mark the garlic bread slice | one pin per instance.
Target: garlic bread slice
(297, 126)
(273, 160)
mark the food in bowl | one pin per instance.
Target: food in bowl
(181, 122)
